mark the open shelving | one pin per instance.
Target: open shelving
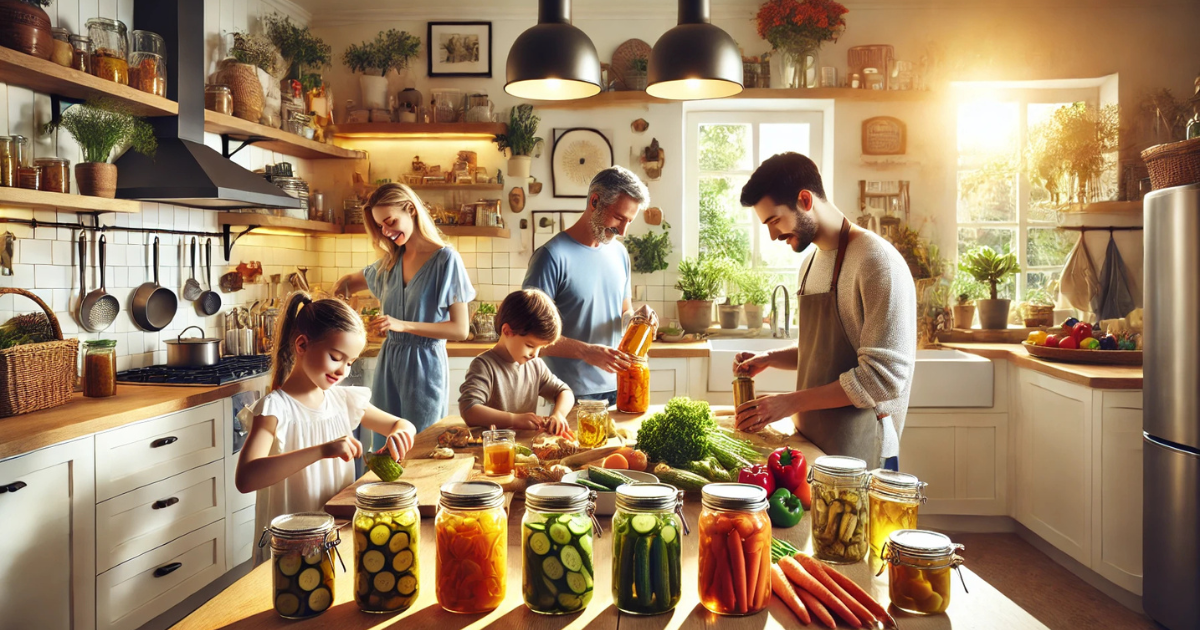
(468, 187)
(637, 97)
(43, 200)
(273, 139)
(404, 131)
(47, 77)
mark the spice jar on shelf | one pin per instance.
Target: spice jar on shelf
(61, 53)
(29, 177)
(919, 565)
(218, 98)
(302, 553)
(100, 368)
(55, 174)
(839, 509)
(735, 549)
(471, 573)
(894, 498)
(109, 49)
(8, 161)
(387, 530)
(81, 55)
(148, 63)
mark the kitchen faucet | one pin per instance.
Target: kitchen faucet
(787, 314)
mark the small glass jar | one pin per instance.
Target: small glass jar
(302, 558)
(735, 549)
(8, 161)
(29, 177)
(22, 151)
(62, 52)
(472, 547)
(499, 452)
(839, 509)
(919, 564)
(55, 174)
(387, 529)
(633, 387)
(218, 98)
(592, 420)
(872, 79)
(148, 63)
(743, 390)
(638, 336)
(81, 55)
(109, 49)
(646, 571)
(557, 556)
(100, 368)
(894, 498)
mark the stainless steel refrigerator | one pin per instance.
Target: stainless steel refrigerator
(1171, 409)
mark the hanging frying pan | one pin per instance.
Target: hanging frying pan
(153, 304)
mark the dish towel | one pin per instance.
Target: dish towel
(1114, 300)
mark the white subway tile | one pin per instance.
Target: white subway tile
(345, 259)
(500, 259)
(51, 277)
(470, 260)
(124, 362)
(500, 276)
(34, 252)
(655, 293)
(466, 244)
(485, 275)
(343, 245)
(483, 244)
(361, 259)
(62, 253)
(483, 261)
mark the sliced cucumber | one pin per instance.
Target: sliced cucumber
(585, 543)
(644, 523)
(587, 578)
(373, 561)
(399, 542)
(287, 604)
(403, 561)
(570, 558)
(406, 519)
(380, 535)
(586, 598)
(539, 543)
(406, 585)
(537, 527)
(576, 583)
(668, 533)
(384, 582)
(289, 565)
(320, 599)
(569, 601)
(552, 568)
(550, 586)
(309, 579)
(560, 534)
(314, 557)
(579, 526)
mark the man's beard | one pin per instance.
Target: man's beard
(602, 233)
(805, 232)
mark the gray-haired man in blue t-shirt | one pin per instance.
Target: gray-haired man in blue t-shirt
(586, 272)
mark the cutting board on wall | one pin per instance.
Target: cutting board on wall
(427, 475)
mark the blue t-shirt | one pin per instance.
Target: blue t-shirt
(589, 285)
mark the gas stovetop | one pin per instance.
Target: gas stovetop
(229, 370)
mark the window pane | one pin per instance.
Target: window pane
(777, 254)
(724, 224)
(1041, 204)
(1048, 247)
(725, 148)
(776, 138)
(1042, 281)
(984, 197)
(999, 239)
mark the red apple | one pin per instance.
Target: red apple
(1053, 340)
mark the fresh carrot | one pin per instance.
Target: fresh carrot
(764, 580)
(783, 589)
(818, 570)
(737, 562)
(753, 558)
(859, 594)
(818, 609)
(804, 580)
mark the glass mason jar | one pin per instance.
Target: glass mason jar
(919, 564)
(638, 336)
(839, 509)
(633, 387)
(100, 368)
(81, 55)
(218, 98)
(61, 53)
(557, 565)
(894, 498)
(109, 49)
(8, 161)
(22, 151)
(743, 390)
(148, 63)
(302, 559)
(387, 531)
(592, 420)
(29, 177)
(55, 173)
(646, 578)
(499, 452)
(472, 547)
(735, 549)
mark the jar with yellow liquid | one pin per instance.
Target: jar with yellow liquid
(593, 421)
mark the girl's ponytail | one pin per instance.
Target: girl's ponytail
(284, 357)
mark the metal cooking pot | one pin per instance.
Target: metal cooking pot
(194, 352)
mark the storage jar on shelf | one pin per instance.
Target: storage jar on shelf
(387, 529)
(302, 548)
(109, 49)
(9, 162)
(55, 174)
(894, 498)
(61, 52)
(472, 547)
(735, 549)
(647, 529)
(557, 531)
(81, 55)
(839, 509)
(919, 565)
(148, 63)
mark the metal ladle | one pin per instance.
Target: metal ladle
(191, 288)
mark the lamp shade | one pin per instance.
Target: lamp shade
(553, 61)
(694, 60)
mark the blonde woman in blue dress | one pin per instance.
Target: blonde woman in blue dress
(423, 290)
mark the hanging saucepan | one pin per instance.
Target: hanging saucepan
(153, 304)
(193, 352)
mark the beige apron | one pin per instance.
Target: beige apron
(824, 353)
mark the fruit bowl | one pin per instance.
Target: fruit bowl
(1096, 357)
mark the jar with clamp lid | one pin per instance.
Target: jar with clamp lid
(110, 49)
(647, 529)
(735, 549)
(557, 532)
(472, 547)
(839, 509)
(387, 529)
(302, 563)
(894, 498)
(919, 565)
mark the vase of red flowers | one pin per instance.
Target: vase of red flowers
(795, 29)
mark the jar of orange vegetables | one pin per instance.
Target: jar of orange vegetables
(638, 336)
(633, 387)
(472, 547)
(735, 549)
(893, 498)
(919, 564)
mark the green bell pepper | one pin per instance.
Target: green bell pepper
(784, 508)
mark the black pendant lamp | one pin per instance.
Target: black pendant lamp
(694, 60)
(553, 61)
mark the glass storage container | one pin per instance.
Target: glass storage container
(148, 63)
(919, 564)
(633, 387)
(22, 151)
(647, 527)
(29, 177)
(472, 547)
(218, 98)
(499, 452)
(109, 49)
(302, 563)
(62, 52)
(55, 174)
(894, 498)
(8, 161)
(557, 568)
(735, 549)
(81, 56)
(839, 509)
(297, 188)
(743, 390)
(100, 368)
(592, 420)
(387, 530)
(638, 336)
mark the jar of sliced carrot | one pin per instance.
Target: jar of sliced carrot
(633, 387)
(735, 549)
(472, 547)
(919, 564)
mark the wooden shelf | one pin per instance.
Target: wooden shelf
(42, 200)
(448, 230)
(251, 219)
(635, 98)
(276, 140)
(47, 77)
(401, 131)
(468, 187)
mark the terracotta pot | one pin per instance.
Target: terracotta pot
(518, 166)
(754, 316)
(993, 314)
(964, 315)
(730, 316)
(242, 79)
(96, 179)
(694, 315)
(26, 28)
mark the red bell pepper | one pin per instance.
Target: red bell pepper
(790, 471)
(757, 475)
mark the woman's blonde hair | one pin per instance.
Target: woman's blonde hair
(314, 319)
(392, 194)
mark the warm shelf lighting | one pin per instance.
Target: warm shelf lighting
(695, 60)
(553, 61)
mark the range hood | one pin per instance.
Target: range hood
(184, 171)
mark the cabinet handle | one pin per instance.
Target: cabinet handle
(12, 487)
(167, 569)
(164, 503)
(171, 439)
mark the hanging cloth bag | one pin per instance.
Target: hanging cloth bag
(1115, 298)
(1079, 283)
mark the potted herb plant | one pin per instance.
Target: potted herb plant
(304, 52)
(989, 267)
(730, 313)
(648, 252)
(520, 140)
(638, 67)
(755, 288)
(249, 56)
(25, 26)
(103, 128)
(484, 322)
(390, 49)
(699, 281)
(966, 291)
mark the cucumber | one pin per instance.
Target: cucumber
(585, 551)
(384, 582)
(661, 573)
(569, 601)
(289, 565)
(673, 563)
(609, 478)
(406, 585)
(380, 534)
(314, 557)
(644, 523)
(398, 543)
(682, 479)
(571, 559)
(592, 485)
(403, 561)
(309, 579)
(550, 586)
(320, 599)
(539, 543)
(287, 604)
(552, 567)
(641, 571)
(537, 527)
(623, 582)
(373, 561)
(579, 526)
(560, 534)
(668, 533)
(587, 578)
(576, 583)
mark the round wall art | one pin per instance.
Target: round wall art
(578, 155)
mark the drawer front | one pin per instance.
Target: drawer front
(141, 454)
(153, 515)
(240, 537)
(130, 594)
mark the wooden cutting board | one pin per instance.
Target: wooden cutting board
(427, 475)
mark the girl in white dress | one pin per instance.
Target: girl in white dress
(301, 447)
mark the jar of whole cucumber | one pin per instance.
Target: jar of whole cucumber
(647, 525)
(556, 548)
(839, 508)
(302, 558)
(387, 529)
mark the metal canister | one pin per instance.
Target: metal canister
(743, 390)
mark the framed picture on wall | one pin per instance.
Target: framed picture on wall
(460, 49)
(579, 153)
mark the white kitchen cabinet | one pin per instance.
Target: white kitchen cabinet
(963, 456)
(240, 537)
(47, 508)
(144, 452)
(458, 374)
(1117, 491)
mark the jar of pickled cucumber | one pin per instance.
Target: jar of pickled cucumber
(592, 420)
(557, 566)
(893, 501)
(735, 549)
(919, 564)
(387, 530)
(302, 548)
(839, 508)
(638, 336)
(472, 547)
(633, 387)
(647, 528)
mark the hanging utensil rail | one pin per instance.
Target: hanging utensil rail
(227, 238)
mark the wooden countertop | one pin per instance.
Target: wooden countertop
(1094, 376)
(85, 416)
(467, 349)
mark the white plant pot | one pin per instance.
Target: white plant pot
(518, 166)
(374, 91)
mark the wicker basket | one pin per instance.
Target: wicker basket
(37, 375)
(1173, 164)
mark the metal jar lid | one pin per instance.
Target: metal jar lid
(597, 405)
(559, 497)
(472, 495)
(921, 549)
(300, 526)
(835, 469)
(739, 497)
(647, 497)
(385, 496)
(898, 485)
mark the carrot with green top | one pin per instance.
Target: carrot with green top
(783, 589)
